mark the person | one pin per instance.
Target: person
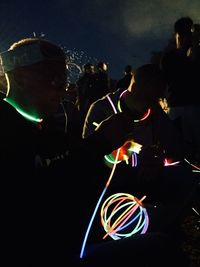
(180, 66)
(34, 201)
(126, 79)
(85, 87)
(37, 211)
(183, 34)
(157, 144)
(102, 83)
(42, 223)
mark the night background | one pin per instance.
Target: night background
(118, 32)
(114, 31)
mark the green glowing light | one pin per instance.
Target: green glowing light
(24, 114)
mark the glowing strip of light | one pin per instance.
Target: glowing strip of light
(195, 211)
(24, 114)
(132, 150)
(97, 206)
(112, 104)
(27, 116)
(195, 170)
(120, 109)
(110, 160)
(107, 157)
(95, 124)
(106, 186)
(168, 163)
(194, 166)
(124, 217)
(118, 102)
(117, 208)
(134, 159)
(135, 229)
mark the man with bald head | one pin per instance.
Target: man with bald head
(35, 178)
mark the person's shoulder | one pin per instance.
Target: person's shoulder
(103, 99)
(97, 104)
(103, 105)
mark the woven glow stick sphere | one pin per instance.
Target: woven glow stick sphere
(123, 215)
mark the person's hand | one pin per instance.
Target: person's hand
(123, 153)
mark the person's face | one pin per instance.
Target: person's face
(45, 84)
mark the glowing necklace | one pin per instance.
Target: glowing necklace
(109, 158)
(24, 114)
(120, 109)
(115, 162)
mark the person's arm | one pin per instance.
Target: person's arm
(98, 111)
(110, 134)
(89, 127)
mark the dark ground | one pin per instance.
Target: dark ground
(191, 234)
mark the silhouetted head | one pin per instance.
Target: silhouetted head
(36, 74)
(88, 68)
(183, 25)
(102, 66)
(128, 69)
(147, 86)
(183, 32)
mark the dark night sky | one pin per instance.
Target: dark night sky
(119, 32)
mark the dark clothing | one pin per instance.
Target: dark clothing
(148, 250)
(180, 74)
(39, 169)
(124, 82)
(48, 196)
(170, 188)
(85, 90)
(156, 129)
(101, 85)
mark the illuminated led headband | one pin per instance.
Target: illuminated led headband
(25, 55)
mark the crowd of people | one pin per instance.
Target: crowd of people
(55, 167)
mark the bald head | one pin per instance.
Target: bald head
(29, 51)
(37, 75)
